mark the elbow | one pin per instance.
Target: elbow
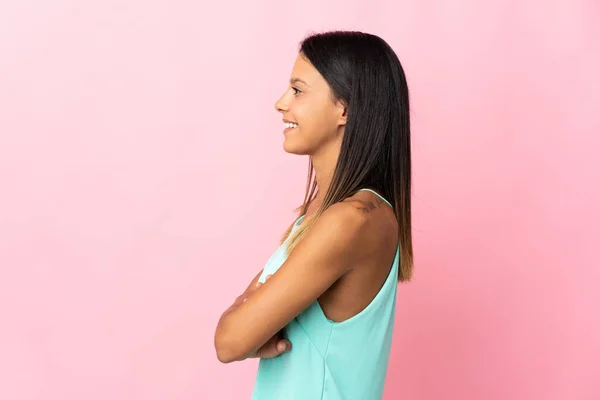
(224, 356)
(227, 350)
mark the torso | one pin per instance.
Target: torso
(357, 288)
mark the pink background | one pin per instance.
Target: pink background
(144, 184)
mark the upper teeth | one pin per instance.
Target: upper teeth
(291, 125)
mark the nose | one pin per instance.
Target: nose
(280, 105)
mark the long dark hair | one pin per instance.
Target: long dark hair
(365, 74)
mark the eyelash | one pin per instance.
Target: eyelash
(297, 91)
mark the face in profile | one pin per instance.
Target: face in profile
(316, 120)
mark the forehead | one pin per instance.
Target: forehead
(305, 71)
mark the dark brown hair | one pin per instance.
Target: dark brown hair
(365, 74)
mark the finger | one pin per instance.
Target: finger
(283, 346)
(249, 292)
(273, 348)
(268, 350)
(252, 288)
(268, 276)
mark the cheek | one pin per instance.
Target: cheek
(299, 111)
(321, 122)
(307, 114)
(314, 118)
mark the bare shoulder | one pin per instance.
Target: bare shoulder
(362, 224)
(372, 207)
(342, 223)
(344, 214)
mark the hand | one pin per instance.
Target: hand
(275, 346)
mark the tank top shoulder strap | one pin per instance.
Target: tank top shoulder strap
(380, 196)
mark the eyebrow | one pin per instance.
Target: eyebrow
(294, 80)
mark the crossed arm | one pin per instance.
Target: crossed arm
(327, 251)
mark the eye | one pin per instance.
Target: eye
(296, 91)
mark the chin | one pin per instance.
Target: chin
(295, 149)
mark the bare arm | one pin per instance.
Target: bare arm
(240, 299)
(276, 345)
(324, 255)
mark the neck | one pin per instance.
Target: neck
(324, 163)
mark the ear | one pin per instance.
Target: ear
(342, 113)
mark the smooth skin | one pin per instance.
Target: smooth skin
(342, 261)
(275, 346)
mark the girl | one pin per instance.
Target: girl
(322, 322)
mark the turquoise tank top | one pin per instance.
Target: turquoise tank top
(331, 360)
